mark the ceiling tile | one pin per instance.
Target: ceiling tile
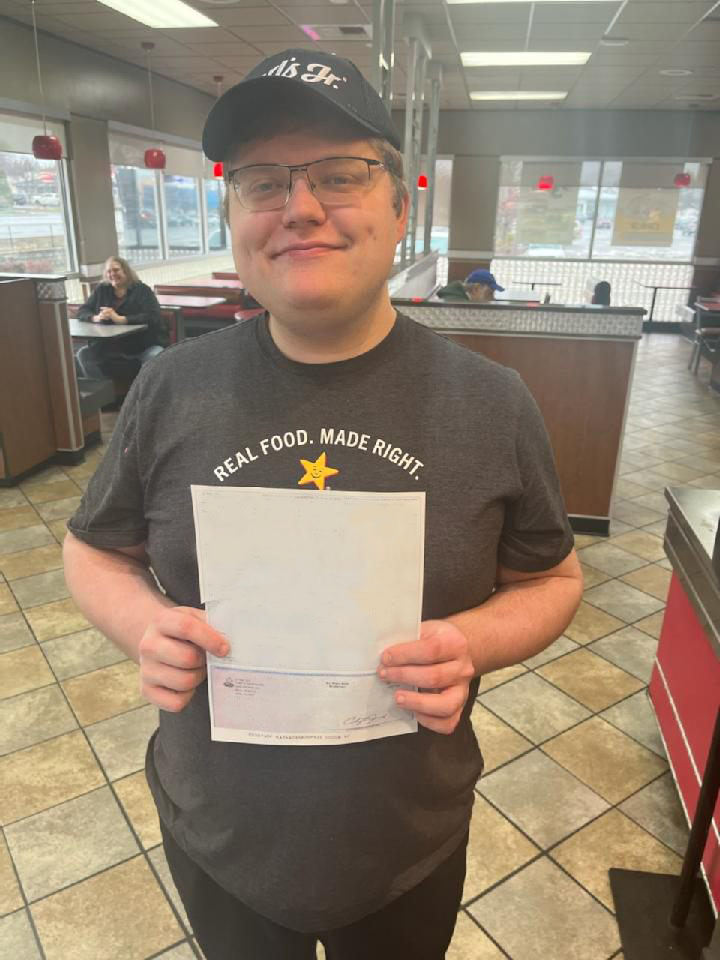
(327, 14)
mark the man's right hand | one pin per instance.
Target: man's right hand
(172, 656)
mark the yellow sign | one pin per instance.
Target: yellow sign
(645, 217)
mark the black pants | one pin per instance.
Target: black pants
(416, 926)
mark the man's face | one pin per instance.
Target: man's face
(310, 264)
(480, 292)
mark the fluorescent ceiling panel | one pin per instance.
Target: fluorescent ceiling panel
(527, 1)
(521, 58)
(518, 95)
(161, 14)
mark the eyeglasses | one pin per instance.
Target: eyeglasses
(334, 180)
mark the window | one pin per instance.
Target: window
(182, 215)
(216, 227)
(136, 213)
(441, 207)
(35, 221)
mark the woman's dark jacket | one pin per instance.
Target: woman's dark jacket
(140, 305)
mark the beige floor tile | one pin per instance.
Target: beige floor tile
(585, 540)
(44, 492)
(39, 777)
(80, 653)
(17, 517)
(610, 559)
(62, 509)
(10, 896)
(677, 472)
(52, 474)
(118, 914)
(7, 601)
(105, 693)
(25, 538)
(14, 633)
(121, 742)
(32, 717)
(58, 528)
(652, 624)
(630, 649)
(590, 679)
(139, 805)
(41, 588)
(591, 576)
(69, 842)
(17, 939)
(496, 848)
(541, 798)
(645, 545)
(23, 670)
(657, 528)
(609, 762)
(56, 619)
(652, 579)
(635, 514)
(657, 808)
(557, 649)
(24, 563)
(490, 680)
(623, 601)
(625, 488)
(612, 840)
(541, 912)
(470, 943)
(12, 497)
(589, 624)
(533, 707)
(182, 952)
(498, 742)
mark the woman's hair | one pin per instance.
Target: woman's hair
(601, 293)
(127, 269)
(297, 116)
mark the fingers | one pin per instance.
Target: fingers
(439, 712)
(168, 700)
(431, 677)
(438, 641)
(186, 623)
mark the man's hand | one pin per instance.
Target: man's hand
(172, 656)
(439, 662)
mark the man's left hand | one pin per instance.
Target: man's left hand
(440, 665)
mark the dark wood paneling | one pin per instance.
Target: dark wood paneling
(581, 388)
(26, 421)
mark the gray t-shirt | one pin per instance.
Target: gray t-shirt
(317, 837)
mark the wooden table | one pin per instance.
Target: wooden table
(86, 330)
(177, 303)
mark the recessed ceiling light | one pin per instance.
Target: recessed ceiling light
(161, 14)
(521, 58)
(614, 42)
(675, 72)
(518, 95)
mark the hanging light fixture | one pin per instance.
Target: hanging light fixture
(422, 182)
(682, 180)
(546, 183)
(44, 146)
(155, 158)
(218, 167)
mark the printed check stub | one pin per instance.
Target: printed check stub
(309, 588)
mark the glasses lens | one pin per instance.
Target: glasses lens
(262, 187)
(339, 178)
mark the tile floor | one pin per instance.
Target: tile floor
(576, 780)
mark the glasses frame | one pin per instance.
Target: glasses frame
(299, 168)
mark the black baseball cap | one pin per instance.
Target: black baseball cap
(336, 80)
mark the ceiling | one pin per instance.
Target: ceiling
(661, 34)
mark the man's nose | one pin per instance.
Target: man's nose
(302, 203)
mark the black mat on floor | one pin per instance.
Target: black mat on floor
(643, 904)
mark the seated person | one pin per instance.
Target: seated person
(601, 294)
(479, 287)
(122, 298)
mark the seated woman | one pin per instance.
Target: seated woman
(123, 298)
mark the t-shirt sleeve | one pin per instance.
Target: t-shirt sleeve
(536, 533)
(111, 513)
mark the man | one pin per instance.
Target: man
(479, 287)
(361, 846)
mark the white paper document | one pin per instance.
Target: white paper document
(309, 588)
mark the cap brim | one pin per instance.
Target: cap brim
(241, 104)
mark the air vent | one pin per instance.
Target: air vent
(329, 32)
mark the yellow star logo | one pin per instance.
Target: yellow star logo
(316, 472)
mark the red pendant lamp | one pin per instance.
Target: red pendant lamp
(155, 158)
(682, 180)
(44, 146)
(546, 183)
(422, 182)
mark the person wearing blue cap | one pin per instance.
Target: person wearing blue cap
(362, 845)
(479, 287)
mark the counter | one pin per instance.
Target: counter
(578, 363)
(685, 683)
